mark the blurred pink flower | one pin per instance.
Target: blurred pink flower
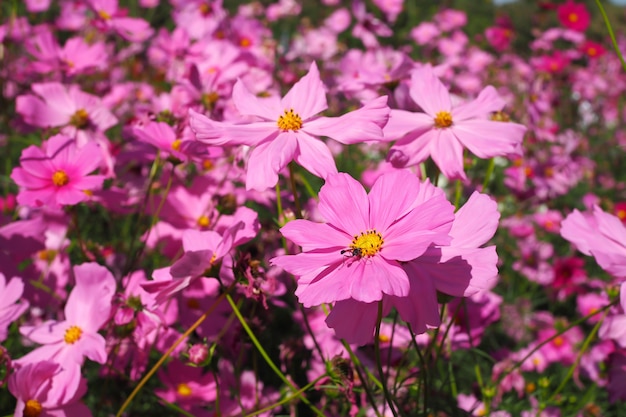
(358, 253)
(288, 129)
(45, 389)
(443, 130)
(10, 310)
(110, 17)
(600, 235)
(58, 173)
(88, 308)
(574, 15)
(187, 386)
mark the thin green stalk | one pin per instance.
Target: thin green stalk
(288, 398)
(294, 191)
(266, 357)
(611, 34)
(279, 202)
(378, 361)
(357, 368)
(167, 353)
(582, 350)
(490, 169)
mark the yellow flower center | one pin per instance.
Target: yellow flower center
(47, 255)
(366, 244)
(32, 408)
(245, 42)
(530, 387)
(183, 390)
(72, 335)
(60, 178)
(572, 17)
(558, 341)
(500, 116)
(621, 214)
(203, 221)
(443, 119)
(176, 144)
(591, 51)
(383, 338)
(104, 15)
(289, 120)
(80, 118)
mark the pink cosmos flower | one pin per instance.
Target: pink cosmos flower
(110, 17)
(9, 310)
(87, 310)
(444, 130)
(600, 235)
(45, 389)
(357, 253)
(460, 269)
(574, 15)
(288, 129)
(187, 386)
(58, 173)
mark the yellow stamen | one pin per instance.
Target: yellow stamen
(104, 15)
(183, 390)
(621, 214)
(47, 255)
(368, 243)
(383, 338)
(289, 120)
(572, 17)
(80, 119)
(60, 178)
(558, 341)
(176, 144)
(32, 408)
(72, 335)
(203, 221)
(443, 119)
(245, 42)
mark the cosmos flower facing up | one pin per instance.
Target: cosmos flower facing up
(357, 252)
(58, 174)
(289, 129)
(443, 130)
(574, 15)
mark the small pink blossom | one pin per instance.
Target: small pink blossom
(58, 173)
(9, 309)
(289, 129)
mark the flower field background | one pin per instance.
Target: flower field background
(312, 208)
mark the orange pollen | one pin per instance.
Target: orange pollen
(88, 193)
(621, 214)
(72, 335)
(443, 119)
(245, 42)
(572, 17)
(32, 408)
(558, 341)
(206, 9)
(549, 172)
(60, 178)
(530, 387)
(203, 221)
(104, 15)
(213, 259)
(47, 255)
(183, 390)
(176, 144)
(289, 120)
(591, 51)
(207, 164)
(383, 338)
(80, 119)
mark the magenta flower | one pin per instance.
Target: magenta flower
(289, 129)
(357, 253)
(45, 389)
(9, 310)
(87, 310)
(58, 174)
(443, 130)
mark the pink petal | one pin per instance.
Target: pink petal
(488, 101)
(412, 149)
(476, 222)
(192, 264)
(420, 308)
(429, 92)
(402, 122)
(487, 138)
(314, 155)
(391, 197)
(249, 104)
(48, 332)
(307, 97)
(220, 133)
(89, 303)
(310, 235)
(361, 125)
(88, 158)
(309, 262)
(267, 159)
(353, 321)
(344, 204)
(447, 153)
(24, 179)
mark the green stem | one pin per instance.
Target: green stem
(611, 34)
(490, 169)
(379, 362)
(287, 399)
(266, 357)
(294, 191)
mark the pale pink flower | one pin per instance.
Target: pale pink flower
(289, 129)
(110, 17)
(58, 174)
(358, 252)
(443, 130)
(598, 234)
(88, 308)
(10, 310)
(46, 389)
